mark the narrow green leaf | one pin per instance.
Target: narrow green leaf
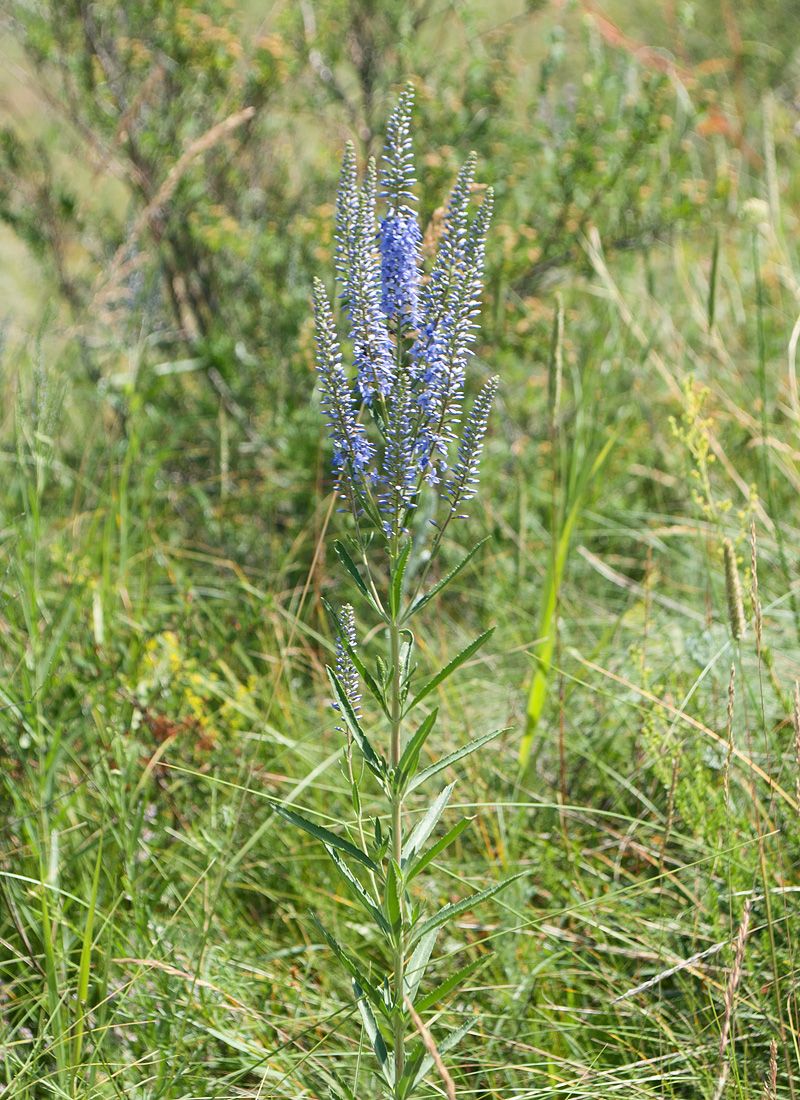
(328, 838)
(433, 998)
(440, 845)
(458, 660)
(408, 761)
(359, 892)
(712, 281)
(342, 1091)
(374, 1034)
(544, 648)
(453, 758)
(415, 967)
(54, 997)
(396, 585)
(415, 843)
(413, 1062)
(375, 765)
(394, 911)
(420, 601)
(446, 1044)
(350, 965)
(369, 680)
(345, 1093)
(456, 908)
(352, 569)
(86, 959)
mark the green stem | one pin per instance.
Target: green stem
(397, 853)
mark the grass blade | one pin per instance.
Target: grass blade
(85, 960)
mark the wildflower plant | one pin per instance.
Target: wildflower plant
(399, 433)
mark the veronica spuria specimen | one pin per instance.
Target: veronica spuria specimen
(399, 431)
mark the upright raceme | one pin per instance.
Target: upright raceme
(411, 339)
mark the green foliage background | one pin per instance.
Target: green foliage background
(167, 174)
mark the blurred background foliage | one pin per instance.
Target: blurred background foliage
(167, 179)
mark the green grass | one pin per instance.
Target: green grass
(163, 647)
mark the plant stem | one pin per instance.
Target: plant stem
(397, 851)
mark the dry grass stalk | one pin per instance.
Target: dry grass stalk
(722, 1081)
(432, 1049)
(771, 1086)
(733, 591)
(684, 964)
(727, 768)
(735, 976)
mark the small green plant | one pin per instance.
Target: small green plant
(410, 346)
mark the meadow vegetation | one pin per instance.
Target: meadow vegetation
(167, 179)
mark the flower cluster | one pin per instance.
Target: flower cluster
(411, 338)
(345, 669)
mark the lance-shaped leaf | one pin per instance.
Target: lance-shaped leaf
(374, 763)
(420, 601)
(342, 1091)
(423, 1068)
(352, 569)
(328, 838)
(450, 668)
(374, 1034)
(393, 908)
(453, 758)
(372, 684)
(415, 843)
(396, 583)
(456, 908)
(359, 892)
(408, 761)
(440, 845)
(415, 967)
(351, 966)
(433, 998)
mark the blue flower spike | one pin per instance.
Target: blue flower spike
(411, 338)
